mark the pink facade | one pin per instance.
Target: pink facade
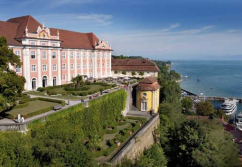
(47, 62)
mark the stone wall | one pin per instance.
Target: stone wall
(129, 100)
(138, 143)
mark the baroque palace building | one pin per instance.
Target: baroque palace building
(53, 56)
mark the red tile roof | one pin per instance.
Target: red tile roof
(148, 84)
(134, 65)
(15, 28)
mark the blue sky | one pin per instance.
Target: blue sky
(158, 29)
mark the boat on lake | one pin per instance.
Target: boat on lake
(239, 121)
(229, 106)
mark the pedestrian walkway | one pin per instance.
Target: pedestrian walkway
(136, 113)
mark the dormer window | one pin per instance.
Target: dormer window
(103, 46)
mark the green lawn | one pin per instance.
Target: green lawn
(60, 90)
(32, 107)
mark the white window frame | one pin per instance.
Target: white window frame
(63, 65)
(18, 69)
(53, 55)
(63, 55)
(31, 54)
(71, 55)
(42, 55)
(71, 66)
(54, 67)
(33, 68)
(78, 66)
(44, 69)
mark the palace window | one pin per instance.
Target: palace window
(90, 66)
(98, 65)
(33, 68)
(78, 55)
(43, 44)
(107, 64)
(84, 55)
(84, 66)
(72, 76)
(18, 69)
(54, 55)
(54, 67)
(78, 66)
(72, 67)
(44, 67)
(64, 77)
(63, 55)
(32, 43)
(72, 55)
(17, 52)
(63, 66)
(32, 54)
(53, 44)
(43, 53)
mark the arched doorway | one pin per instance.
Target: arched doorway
(44, 81)
(34, 83)
(54, 81)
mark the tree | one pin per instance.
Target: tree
(133, 73)
(141, 73)
(115, 72)
(187, 103)
(77, 81)
(205, 108)
(11, 85)
(124, 72)
(175, 75)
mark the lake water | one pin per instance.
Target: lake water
(221, 78)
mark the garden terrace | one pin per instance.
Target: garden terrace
(31, 107)
(71, 92)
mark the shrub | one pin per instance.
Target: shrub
(90, 92)
(40, 89)
(114, 130)
(87, 82)
(83, 94)
(51, 92)
(85, 88)
(142, 120)
(110, 149)
(101, 89)
(21, 105)
(114, 85)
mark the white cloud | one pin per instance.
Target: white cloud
(75, 20)
(188, 43)
(100, 19)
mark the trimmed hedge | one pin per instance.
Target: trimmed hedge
(114, 130)
(21, 105)
(24, 103)
(111, 148)
(142, 120)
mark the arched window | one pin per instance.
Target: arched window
(34, 83)
(44, 81)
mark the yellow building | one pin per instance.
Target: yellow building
(148, 95)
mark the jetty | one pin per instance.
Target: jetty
(212, 98)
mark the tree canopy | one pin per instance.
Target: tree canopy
(205, 108)
(11, 84)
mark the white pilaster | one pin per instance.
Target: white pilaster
(49, 68)
(110, 61)
(59, 67)
(95, 65)
(101, 65)
(39, 80)
(87, 54)
(75, 65)
(106, 64)
(68, 66)
(81, 62)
